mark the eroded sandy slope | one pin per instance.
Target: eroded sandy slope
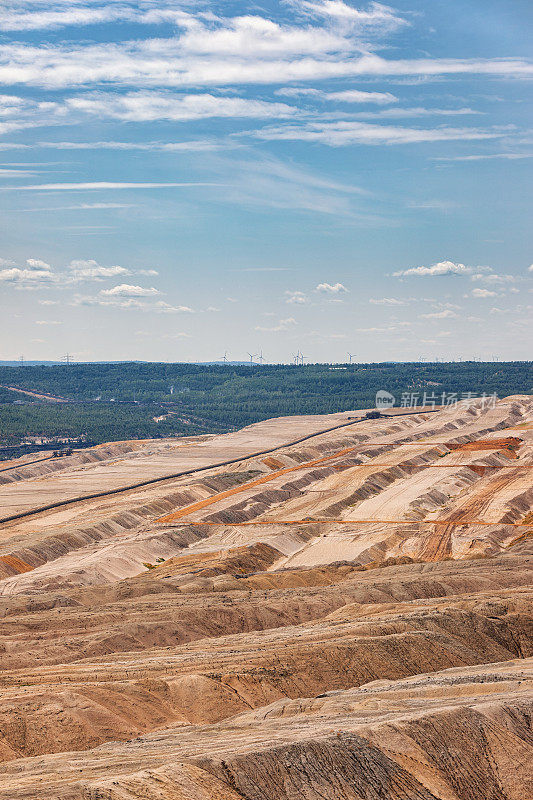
(341, 610)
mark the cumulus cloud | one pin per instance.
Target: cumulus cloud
(91, 270)
(328, 288)
(127, 290)
(438, 269)
(483, 293)
(296, 298)
(32, 274)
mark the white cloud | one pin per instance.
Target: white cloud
(492, 277)
(166, 308)
(17, 19)
(48, 322)
(127, 290)
(195, 145)
(32, 274)
(530, 268)
(344, 96)
(296, 298)
(346, 132)
(485, 157)
(92, 270)
(37, 264)
(400, 113)
(209, 50)
(386, 329)
(483, 293)
(283, 325)
(386, 301)
(357, 96)
(376, 14)
(441, 268)
(95, 185)
(113, 302)
(149, 106)
(446, 314)
(328, 288)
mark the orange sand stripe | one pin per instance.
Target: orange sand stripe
(16, 563)
(208, 501)
(184, 512)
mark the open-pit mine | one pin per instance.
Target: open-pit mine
(311, 608)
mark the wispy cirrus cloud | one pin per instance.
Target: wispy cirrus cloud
(485, 157)
(346, 132)
(100, 185)
(387, 301)
(151, 106)
(195, 145)
(167, 308)
(344, 96)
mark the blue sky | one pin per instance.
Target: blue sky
(180, 179)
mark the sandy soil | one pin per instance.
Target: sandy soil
(342, 618)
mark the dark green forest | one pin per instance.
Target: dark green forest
(119, 401)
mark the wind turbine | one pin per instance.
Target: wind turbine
(225, 357)
(66, 358)
(252, 356)
(350, 356)
(260, 357)
(299, 358)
